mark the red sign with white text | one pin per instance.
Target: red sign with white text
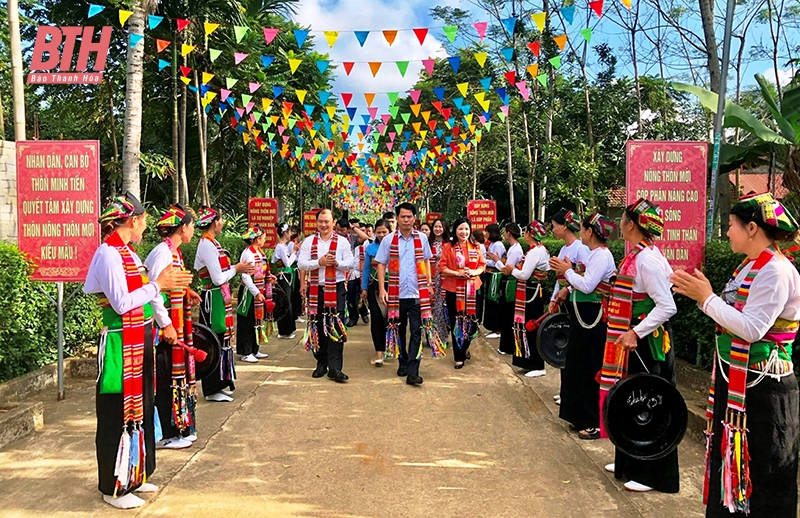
(673, 175)
(58, 205)
(264, 212)
(310, 222)
(482, 213)
(432, 216)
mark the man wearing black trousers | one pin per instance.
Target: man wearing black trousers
(329, 353)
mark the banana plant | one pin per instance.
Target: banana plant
(783, 138)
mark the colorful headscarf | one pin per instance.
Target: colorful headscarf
(122, 207)
(766, 209)
(648, 216)
(252, 233)
(567, 218)
(206, 217)
(537, 230)
(601, 225)
(174, 216)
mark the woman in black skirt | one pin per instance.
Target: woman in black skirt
(369, 292)
(251, 314)
(508, 287)
(491, 282)
(284, 263)
(580, 392)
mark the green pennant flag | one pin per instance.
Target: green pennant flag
(214, 53)
(257, 116)
(402, 66)
(587, 34)
(246, 98)
(393, 110)
(488, 125)
(555, 61)
(271, 135)
(229, 82)
(542, 79)
(398, 128)
(292, 122)
(392, 97)
(405, 117)
(240, 32)
(375, 146)
(450, 31)
(501, 115)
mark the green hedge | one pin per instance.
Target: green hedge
(28, 324)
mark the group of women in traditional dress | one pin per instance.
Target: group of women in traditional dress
(620, 326)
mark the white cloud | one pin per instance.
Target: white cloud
(375, 16)
(783, 75)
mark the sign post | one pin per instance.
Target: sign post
(430, 217)
(264, 212)
(482, 213)
(310, 221)
(58, 205)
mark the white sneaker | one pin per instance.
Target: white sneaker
(493, 335)
(636, 487)
(301, 320)
(284, 337)
(191, 437)
(173, 444)
(219, 396)
(250, 359)
(500, 352)
(557, 397)
(227, 392)
(261, 355)
(609, 467)
(147, 487)
(535, 374)
(129, 501)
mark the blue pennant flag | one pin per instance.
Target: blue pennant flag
(486, 83)
(162, 64)
(267, 60)
(568, 13)
(204, 90)
(153, 21)
(439, 132)
(323, 98)
(466, 108)
(95, 9)
(361, 36)
(309, 110)
(448, 139)
(404, 145)
(326, 119)
(276, 91)
(135, 39)
(458, 101)
(455, 62)
(451, 121)
(300, 36)
(509, 24)
(363, 128)
(322, 65)
(218, 118)
(508, 53)
(365, 118)
(351, 112)
(501, 92)
(439, 91)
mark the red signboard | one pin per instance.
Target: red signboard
(673, 176)
(482, 213)
(432, 216)
(264, 212)
(58, 205)
(310, 221)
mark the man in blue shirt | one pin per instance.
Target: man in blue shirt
(409, 288)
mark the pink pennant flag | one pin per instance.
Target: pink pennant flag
(223, 94)
(428, 66)
(249, 107)
(415, 95)
(482, 119)
(381, 127)
(389, 145)
(522, 86)
(504, 109)
(392, 135)
(269, 35)
(386, 117)
(286, 139)
(252, 118)
(240, 111)
(481, 28)
(373, 112)
(281, 129)
(238, 57)
(254, 87)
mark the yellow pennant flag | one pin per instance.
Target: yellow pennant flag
(301, 95)
(207, 77)
(480, 57)
(415, 108)
(185, 49)
(627, 3)
(246, 137)
(426, 115)
(468, 118)
(210, 27)
(422, 134)
(294, 64)
(186, 80)
(462, 87)
(533, 70)
(266, 104)
(539, 19)
(331, 36)
(331, 111)
(123, 16)
(416, 126)
(561, 41)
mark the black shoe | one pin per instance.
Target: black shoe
(402, 371)
(469, 356)
(365, 319)
(338, 376)
(352, 323)
(459, 365)
(320, 371)
(414, 380)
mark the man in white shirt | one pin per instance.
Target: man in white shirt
(329, 353)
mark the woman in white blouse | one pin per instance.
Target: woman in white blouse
(491, 281)
(532, 272)
(589, 280)
(284, 261)
(508, 286)
(761, 325)
(252, 293)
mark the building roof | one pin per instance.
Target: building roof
(757, 181)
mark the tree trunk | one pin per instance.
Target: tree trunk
(133, 102)
(707, 17)
(17, 85)
(202, 144)
(112, 122)
(182, 148)
(510, 168)
(2, 121)
(775, 36)
(176, 176)
(589, 126)
(531, 180)
(636, 83)
(475, 171)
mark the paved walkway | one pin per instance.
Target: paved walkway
(480, 441)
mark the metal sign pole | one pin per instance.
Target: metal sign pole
(60, 313)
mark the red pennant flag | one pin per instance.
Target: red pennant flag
(346, 98)
(182, 24)
(162, 44)
(535, 47)
(185, 71)
(597, 7)
(511, 76)
(420, 34)
(437, 105)
(348, 66)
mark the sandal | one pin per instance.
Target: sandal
(459, 366)
(589, 434)
(469, 356)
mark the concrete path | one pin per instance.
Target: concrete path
(480, 441)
